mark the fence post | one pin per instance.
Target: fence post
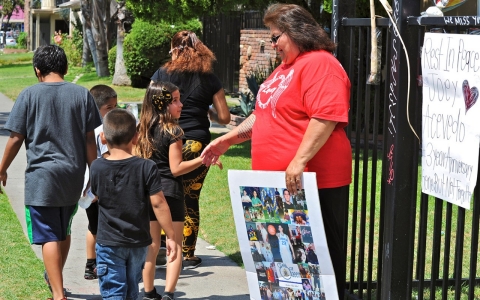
(341, 9)
(400, 169)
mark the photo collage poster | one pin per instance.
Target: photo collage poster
(281, 237)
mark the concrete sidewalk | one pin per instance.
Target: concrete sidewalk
(218, 278)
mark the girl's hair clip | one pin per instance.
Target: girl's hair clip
(160, 101)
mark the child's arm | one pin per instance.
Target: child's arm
(178, 166)
(162, 212)
(14, 144)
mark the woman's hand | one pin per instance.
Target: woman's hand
(316, 135)
(293, 176)
(212, 152)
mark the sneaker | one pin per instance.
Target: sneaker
(156, 297)
(191, 263)
(90, 272)
(166, 297)
(162, 258)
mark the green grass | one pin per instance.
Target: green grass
(20, 268)
(16, 58)
(16, 73)
(217, 225)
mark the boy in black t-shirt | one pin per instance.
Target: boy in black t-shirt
(125, 184)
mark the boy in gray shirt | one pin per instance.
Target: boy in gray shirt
(56, 120)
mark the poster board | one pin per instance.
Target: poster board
(450, 116)
(281, 236)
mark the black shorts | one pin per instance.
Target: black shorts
(92, 216)
(177, 209)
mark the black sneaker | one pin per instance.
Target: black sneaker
(191, 263)
(162, 258)
(154, 297)
(166, 297)
(90, 272)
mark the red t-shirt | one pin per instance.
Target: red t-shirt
(314, 86)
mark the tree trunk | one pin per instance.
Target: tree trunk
(100, 21)
(120, 77)
(89, 52)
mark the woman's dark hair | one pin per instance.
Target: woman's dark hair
(299, 25)
(192, 55)
(50, 59)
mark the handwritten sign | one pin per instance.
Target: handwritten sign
(450, 116)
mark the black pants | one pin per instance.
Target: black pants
(334, 205)
(192, 186)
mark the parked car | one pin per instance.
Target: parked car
(10, 41)
(2, 35)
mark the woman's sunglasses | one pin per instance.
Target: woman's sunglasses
(274, 39)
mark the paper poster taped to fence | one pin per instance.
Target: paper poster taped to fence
(450, 116)
(281, 236)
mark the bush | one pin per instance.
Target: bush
(22, 40)
(112, 58)
(73, 47)
(146, 47)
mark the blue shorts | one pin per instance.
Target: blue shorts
(119, 271)
(49, 224)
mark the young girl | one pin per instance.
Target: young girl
(160, 139)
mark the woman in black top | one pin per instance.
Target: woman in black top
(191, 70)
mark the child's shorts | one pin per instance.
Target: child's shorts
(92, 216)
(177, 210)
(49, 224)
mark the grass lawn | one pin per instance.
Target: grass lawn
(21, 271)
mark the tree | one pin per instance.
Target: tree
(96, 16)
(123, 18)
(89, 48)
(8, 8)
(171, 10)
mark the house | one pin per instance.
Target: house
(51, 16)
(16, 21)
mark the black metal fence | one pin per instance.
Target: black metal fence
(401, 244)
(221, 33)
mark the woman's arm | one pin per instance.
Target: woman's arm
(220, 145)
(316, 135)
(221, 113)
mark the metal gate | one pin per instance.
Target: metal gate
(221, 33)
(401, 244)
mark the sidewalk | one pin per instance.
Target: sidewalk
(218, 278)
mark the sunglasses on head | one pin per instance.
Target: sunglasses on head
(274, 39)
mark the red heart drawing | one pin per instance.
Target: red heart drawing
(470, 95)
